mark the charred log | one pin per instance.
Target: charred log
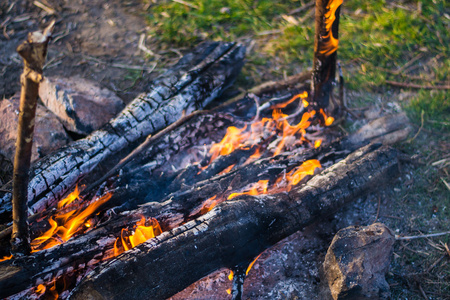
(192, 83)
(235, 231)
(89, 249)
(325, 50)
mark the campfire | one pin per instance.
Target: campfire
(190, 192)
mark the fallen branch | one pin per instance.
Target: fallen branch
(417, 86)
(413, 237)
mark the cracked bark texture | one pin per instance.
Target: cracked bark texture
(235, 231)
(191, 84)
(183, 205)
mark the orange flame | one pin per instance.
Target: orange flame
(328, 119)
(251, 264)
(302, 96)
(262, 130)
(258, 188)
(40, 289)
(230, 277)
(317, 143)
(232, 139)
(65, 225)
(6, 258)
(307, 168)
(330, 43)
(70, 198)
(209, 204)
(141, 234)
(289, 130)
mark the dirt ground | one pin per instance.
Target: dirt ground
(99, 40)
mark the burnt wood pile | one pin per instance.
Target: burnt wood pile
(175, 180)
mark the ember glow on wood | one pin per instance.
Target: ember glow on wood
(191, 84)
(33, 52)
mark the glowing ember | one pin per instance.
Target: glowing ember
(256, 189)
(251, 264)
(230, 277)
(227, 169)
(208, 205)
(330, 43)
(141, 234)
(317, 143)
(65, 225)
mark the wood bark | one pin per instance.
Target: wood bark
(325, 50)
(235, 231)
(33, 52)
(192, 83)
(87, 250)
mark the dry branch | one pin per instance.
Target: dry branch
(418, 86)
(196, 79)
(33, 52)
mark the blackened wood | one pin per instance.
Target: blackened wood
(33, 52)
(325, 50)
(235, 231)
(197, 79)
(88, 249)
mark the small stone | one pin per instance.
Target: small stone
(81, 105)
(357, 261)
(49, 134)
(225, 10)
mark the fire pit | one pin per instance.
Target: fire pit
(190, 191)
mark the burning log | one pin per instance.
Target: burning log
(235, 231)
(325, 50)
(192, 83)
(84, 252)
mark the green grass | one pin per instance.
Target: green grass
(405, 41)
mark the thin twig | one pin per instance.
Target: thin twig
(418, 86)
(435, 263)
(423, 292)
(445, 183)
(5, 191)
(409, 63)
(130, 67)
(412, 237)
(186, 3)
(302, 8)
(420, 128)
